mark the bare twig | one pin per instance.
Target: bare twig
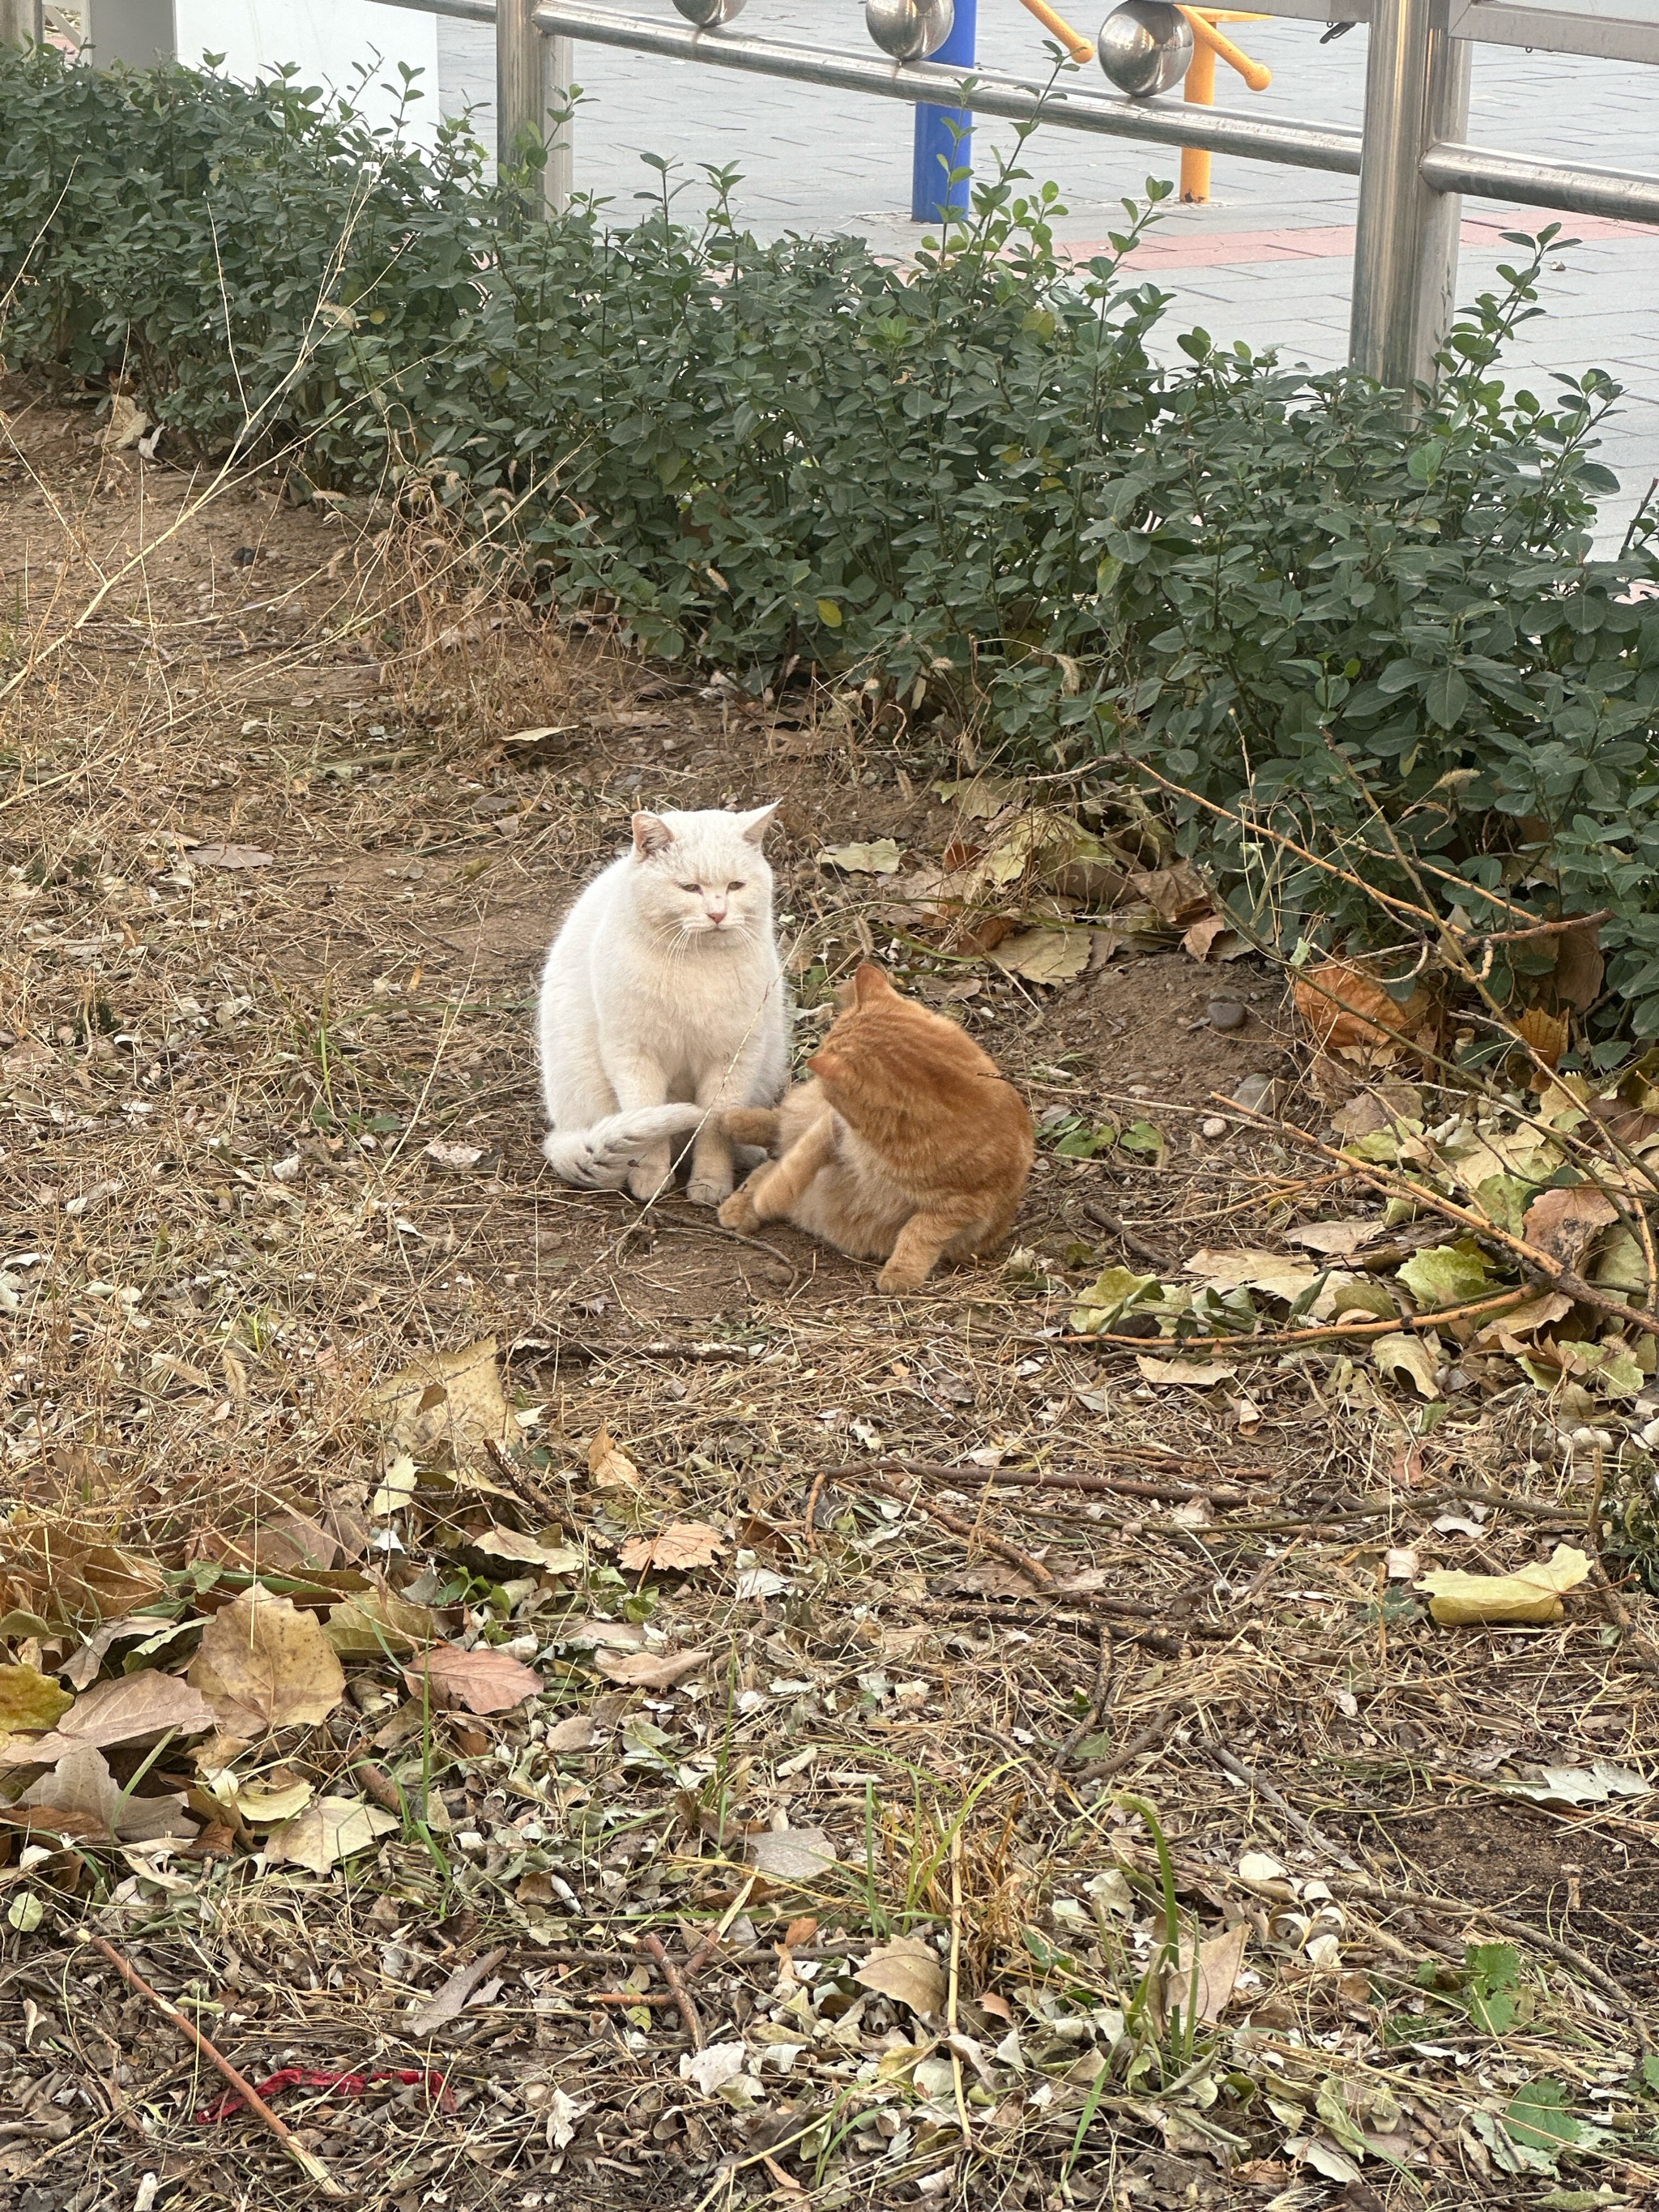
(682, 1996)
(1097, 1700)
(1304, 1826)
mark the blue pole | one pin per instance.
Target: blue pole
(939, 149)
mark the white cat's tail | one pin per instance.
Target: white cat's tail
(597, 1157)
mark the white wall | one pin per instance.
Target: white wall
(330, 39)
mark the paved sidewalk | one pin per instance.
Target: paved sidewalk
(1267, 260)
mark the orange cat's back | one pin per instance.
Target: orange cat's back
(928, 1102)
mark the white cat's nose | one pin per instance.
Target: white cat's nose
(716, 915)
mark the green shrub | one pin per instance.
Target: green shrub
(966, 482)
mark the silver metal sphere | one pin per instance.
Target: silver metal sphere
(709, 15)
(1144, 47)
(909, 30)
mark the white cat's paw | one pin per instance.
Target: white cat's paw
(648, 1179)
(708, 1190)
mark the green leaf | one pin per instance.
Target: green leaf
(1540, 2116)
(829, 614)
(1446, 1275)
(1145, 1138)
(1111, 1294)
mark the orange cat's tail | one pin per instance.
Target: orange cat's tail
(752, 1125)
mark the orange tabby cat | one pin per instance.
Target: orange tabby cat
(909, 1146)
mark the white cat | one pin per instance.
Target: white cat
(663, 986)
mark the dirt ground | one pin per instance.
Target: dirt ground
(290, 803)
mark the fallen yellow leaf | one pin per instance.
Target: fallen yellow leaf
(1534, 1594)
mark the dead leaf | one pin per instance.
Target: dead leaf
(1333, 1239)
(126, 1711)
(1268, 1272)
(1565, 1223)
(1368, 1016)
(909, 1971)
(452, 1398)
(265, 1807)
(80, 1577)
(1178, 895)
(332, 1829)
(287, 1545)
(649, 1670)
(1198, 1374)
(30, 1700)
(1532, 1594)
(455, 1158)
(449, 2001)
(1044, 956)
(1219, 1959)
(379, 1621)
(263, 1664)
(1545, 1033)
(681, 1545)
(1214, 934)
(525, 1551)
(882, 857)
(233, 857)
(1400, 1354)
(80, 1784)
(127, 423)
(610, 1465)
(1580, 1785)
(481, 1681)
(792, 1854)
(577, 1733)
(1580, 968)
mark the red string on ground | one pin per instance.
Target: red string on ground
(349, 2084)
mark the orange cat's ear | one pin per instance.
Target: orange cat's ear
(825, 1062)
(651, 835)
(870, 984)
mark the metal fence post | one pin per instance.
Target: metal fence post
(558, 66)
(517, 85)
(20, 24)
(937, 142)
(1405, 267)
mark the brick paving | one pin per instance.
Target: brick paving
(1267, 260)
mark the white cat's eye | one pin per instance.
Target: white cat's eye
(737, 886)
(690, 887)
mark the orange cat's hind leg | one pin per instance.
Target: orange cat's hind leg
(923, 1241)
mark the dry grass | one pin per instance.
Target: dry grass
(223, 1227)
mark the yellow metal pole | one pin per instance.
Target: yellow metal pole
(1256, 74)
(1209, 47)
(1200, 90)
(1082, 49)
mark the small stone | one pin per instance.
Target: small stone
(1226, 1014)
(1214, 1127)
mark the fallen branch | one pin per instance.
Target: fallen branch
(312, 2168)
(1033, 1570)
(1304, 1826)
(1527, 1255)
(1279, 1338)
(670, 1973)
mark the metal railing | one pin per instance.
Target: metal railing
(1411, 157)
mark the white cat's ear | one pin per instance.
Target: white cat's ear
(753, 826)
(651, 835)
